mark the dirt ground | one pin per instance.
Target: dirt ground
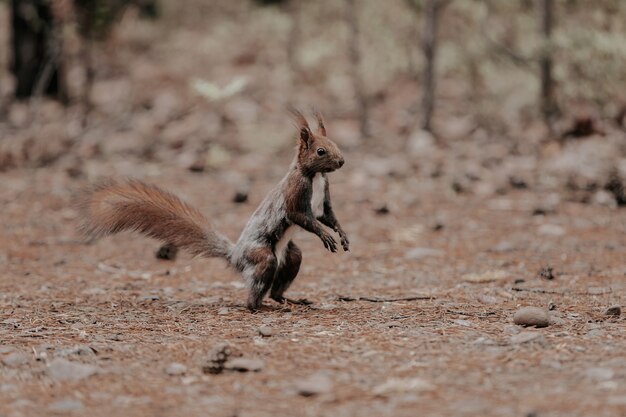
(448, 239)
(455, 351)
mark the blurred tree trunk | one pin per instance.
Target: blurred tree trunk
(295, 35)
(355, 61)
(549, 107)
(430, 21)
(36, 50)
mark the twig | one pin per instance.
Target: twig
(386, 300)
(481, 315)
(355, 55)
(543, 291)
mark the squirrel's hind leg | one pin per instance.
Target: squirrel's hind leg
(259, 274)
(167, 252)
(287, 272)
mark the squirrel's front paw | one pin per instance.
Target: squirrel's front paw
(345, 243)
(329, 242)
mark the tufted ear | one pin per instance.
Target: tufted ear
(306, 136)
(321, 128)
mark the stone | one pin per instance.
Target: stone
(614, 311)
(64, 406)
(553, 230)
(403, 385)
(532, 316)
(487, 276)
(240, 197)
(15, 359)
(315, 384)
(266, 331)
(420, 253)
(599, 373)
(63, 370)
(244, 365)
(175, 369)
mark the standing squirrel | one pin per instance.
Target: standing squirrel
(264, 254)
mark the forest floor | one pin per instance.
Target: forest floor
(448, 239)
(107, 329)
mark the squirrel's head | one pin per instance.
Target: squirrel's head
(316, 153)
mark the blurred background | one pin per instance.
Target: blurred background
(481, 96)
(485, 148)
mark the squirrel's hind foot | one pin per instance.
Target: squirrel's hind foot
(300, 301)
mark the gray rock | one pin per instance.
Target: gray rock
(615, 311)
(315, 384)
(244, 365)
(266, 331)
(599, 373)
(78, 350)
(6, 349)
(421, 253)
(63, 370)
(15, 359)
(175, 369)
(532, 316)
(551, 230)
(64, 406)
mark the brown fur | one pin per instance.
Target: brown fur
(111, 207)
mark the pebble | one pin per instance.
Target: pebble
(551, 230)
(315, 384)
(64, 406)
(78, 350)
(381, 209)
(613, 311)
(599, 373)
(175, 369)
(421, 253)
(487, 276)
(532, 316)
(504, 246)
(266, 331)
(240, 197)
(487, 299)
(244, 365)
(63, 370)
(15, 359)
(403, 385)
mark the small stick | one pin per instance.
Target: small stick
(386, 300)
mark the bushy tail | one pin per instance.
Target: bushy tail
(113, 207)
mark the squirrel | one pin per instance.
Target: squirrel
(264, 254)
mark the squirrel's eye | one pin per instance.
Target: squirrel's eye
(321, 151)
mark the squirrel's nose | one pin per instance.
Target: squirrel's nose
(340, 162)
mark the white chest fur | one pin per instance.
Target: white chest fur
(317, 197)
